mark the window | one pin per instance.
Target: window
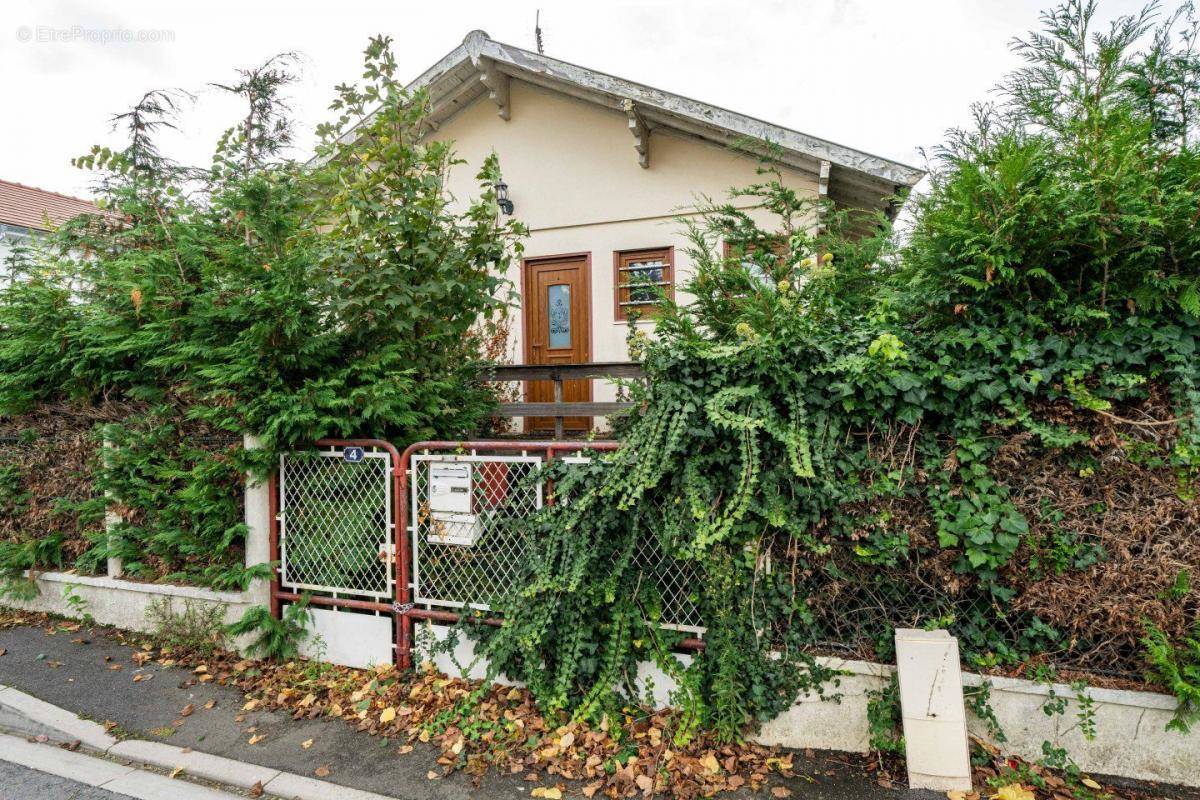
(12, 239)
(641, 277)
(747, 254)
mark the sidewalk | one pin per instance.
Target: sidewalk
(93, 675)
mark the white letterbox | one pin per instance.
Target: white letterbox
(451, 505)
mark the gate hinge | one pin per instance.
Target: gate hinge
(403, 608)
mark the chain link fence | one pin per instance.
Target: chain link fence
(467, 552)
(336, 523)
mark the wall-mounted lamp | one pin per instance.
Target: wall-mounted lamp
(502, 200)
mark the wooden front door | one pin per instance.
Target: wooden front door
(557, 307)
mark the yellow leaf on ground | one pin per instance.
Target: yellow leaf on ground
(1091, 784)
(256, 738)
(187, 710)
(1013, 791)
(548, 792)
(956, 794)
(433, 775)
(250, 705)
(780, 792)
(567, 740)
(307, 743)
(387, 715)
(175, 772)
(405, 748)
(710, 764)
(322, 771)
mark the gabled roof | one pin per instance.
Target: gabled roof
(29, 207)
(482, 66)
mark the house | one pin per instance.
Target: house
(601, 170)
(26, 213)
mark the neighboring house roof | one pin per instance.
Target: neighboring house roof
(30, 207)
(482, 66)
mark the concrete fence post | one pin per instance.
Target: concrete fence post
(931, 704)
(258, 527)
(115, 568)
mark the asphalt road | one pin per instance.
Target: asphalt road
(22, 783)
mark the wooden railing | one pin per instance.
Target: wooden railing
(599, 370)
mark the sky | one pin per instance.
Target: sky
(885, 76)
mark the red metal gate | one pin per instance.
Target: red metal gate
(404, 606)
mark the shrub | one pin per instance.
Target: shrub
(199, 629)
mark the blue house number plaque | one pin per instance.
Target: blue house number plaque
(353, 454)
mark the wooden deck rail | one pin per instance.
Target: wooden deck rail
(559, 373)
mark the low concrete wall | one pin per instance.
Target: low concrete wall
(1131, 736)
(122, 603)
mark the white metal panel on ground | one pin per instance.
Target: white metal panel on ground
(350, 638)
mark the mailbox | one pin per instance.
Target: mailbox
(451, 505)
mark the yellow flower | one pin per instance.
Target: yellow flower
(828, 257)
(808, 262)
(783, 285)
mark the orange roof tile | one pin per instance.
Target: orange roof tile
(29, 207)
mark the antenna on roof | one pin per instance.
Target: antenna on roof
(537, 32)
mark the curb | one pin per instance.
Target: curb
(196, 764)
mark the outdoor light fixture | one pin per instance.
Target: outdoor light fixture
(505, 204)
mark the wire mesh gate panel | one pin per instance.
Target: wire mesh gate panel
(466, 552)
(336, 526)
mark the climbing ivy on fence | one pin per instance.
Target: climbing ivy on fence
(841, 435)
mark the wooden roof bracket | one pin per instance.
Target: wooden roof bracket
(640, 131)
(496, 83)
(822, 193)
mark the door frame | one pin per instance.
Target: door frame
(527, 318)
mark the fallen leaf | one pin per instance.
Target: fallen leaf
(211, 704)
(250, 706)
(308, 700)
(322, 771)
(404, 748)
(187, 710)
(956, 794)
(2, 651)
(387, 715)
(1091, 784)
(1013, 791)
(710, 764)
(256, 738)
(433, 775)
(592, 788)
(257, 789)
(175, 772)
(780, 792)
(548, 792)
(567, 740)
(645, 783)
(200, 670)
(307, 743)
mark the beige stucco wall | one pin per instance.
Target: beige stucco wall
(574, 177)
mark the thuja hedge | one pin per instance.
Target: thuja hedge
(992, 428)
(256, 295)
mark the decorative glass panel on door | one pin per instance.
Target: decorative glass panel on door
(558, 314)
